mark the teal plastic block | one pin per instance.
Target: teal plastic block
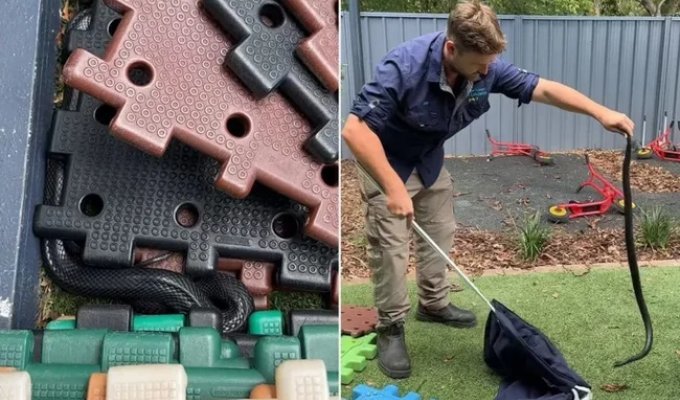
(77, 346)
(333, 379)
(16, 348)
(270, 351)
(229, 349)
(269, 323)
(59, 381)
(202, 347)
(220, 383)
(123, 348)
(158, 323)
(61, 324)
(320, 342)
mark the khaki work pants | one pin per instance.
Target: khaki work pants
(388, 246)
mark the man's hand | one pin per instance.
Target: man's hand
(615, 121)
(399, 203)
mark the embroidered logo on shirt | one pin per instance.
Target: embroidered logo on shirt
(477, 94)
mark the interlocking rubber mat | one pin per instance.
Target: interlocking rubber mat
(162, 74)
(264, 59)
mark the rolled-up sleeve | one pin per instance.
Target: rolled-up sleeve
(379, 99)
(513, 82)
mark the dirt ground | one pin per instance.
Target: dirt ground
(493, 197)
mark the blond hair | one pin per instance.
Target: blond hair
(474, 26)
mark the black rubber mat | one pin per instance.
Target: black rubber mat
(115, 198)
(264, 59)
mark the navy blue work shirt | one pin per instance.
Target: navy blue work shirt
(413, 111)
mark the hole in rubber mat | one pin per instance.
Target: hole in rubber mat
(104, 114)
(330, 175)
(91, 205)
(238, 125)
(186, 215)
(271, 15)
(140, 73)
(113, 25)
(285, 225)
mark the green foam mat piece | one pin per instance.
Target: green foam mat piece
(158, 323)
(124, 348)
(320, 342)
(269, 323)
(16, 348)
(77, 346)
(354, 353)
(221, 383)
(270, 351)
(202, 347)
(60, 381)
(61, 325)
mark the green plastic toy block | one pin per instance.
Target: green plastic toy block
(266, 323)
(320, 342)
(333, 379)
(123, 348)
(61, 324)
(229, 349)
(270, 351)
(221, 383)
(16, 348)
(76, 346)
(158, 323)
(202, 347)
(59, 381)
(354, 353)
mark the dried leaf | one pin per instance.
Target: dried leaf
(613, 387)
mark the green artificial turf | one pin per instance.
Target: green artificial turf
(593, 319)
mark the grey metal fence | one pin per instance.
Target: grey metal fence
(629, 64)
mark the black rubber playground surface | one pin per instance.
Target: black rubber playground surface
(490, 194)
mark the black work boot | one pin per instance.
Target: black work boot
(449, 315)
(393, 358)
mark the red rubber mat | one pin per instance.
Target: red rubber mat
(358, 321)
(319, 52)
(267, 37)
(255, 275)
(163, 72)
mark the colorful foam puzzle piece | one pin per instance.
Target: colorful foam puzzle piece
(354, 353)
(163, 73)
(389, 392)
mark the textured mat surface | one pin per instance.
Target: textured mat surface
(264, 59)
(320, 50)
(163, 74)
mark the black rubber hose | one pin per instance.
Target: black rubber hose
(632, 259)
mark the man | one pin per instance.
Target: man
(423, 92)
